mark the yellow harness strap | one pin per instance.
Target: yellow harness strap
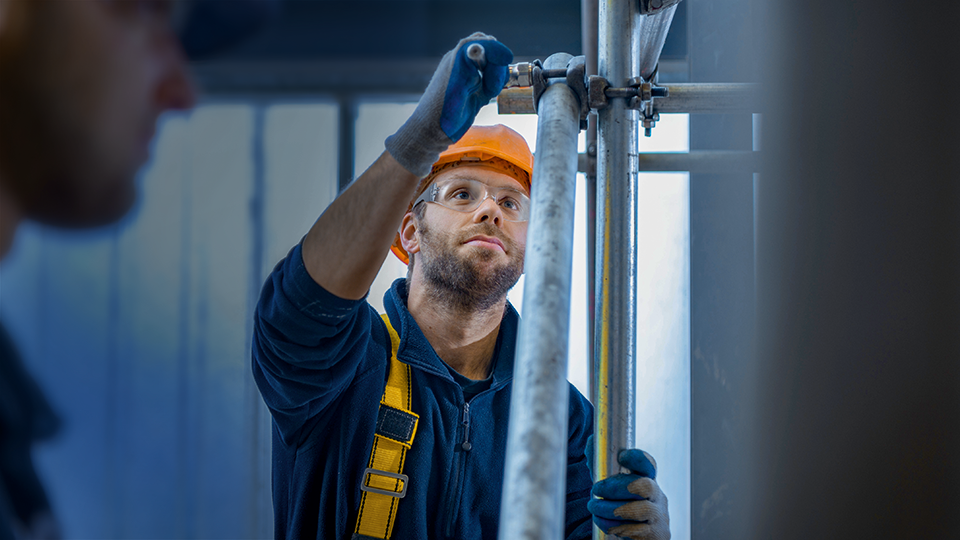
(384, 483)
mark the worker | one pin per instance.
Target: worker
(395, 425)
(82, 83)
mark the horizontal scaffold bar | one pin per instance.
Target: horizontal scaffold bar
(698, 161)
(695, 98)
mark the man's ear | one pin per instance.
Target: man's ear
(409, 239)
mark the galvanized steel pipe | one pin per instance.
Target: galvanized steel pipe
(702, 161)
(616, 243)
(693, 98)
(652, 33)
(697, 161)
(589, 11)
(710, 98)
(534, 485)
(516, 101)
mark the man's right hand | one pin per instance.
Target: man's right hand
(457, 91)
(347, 245)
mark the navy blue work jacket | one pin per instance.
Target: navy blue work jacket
(321, 364)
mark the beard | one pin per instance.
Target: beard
(465, 281)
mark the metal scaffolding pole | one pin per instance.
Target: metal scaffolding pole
(535, 475)
(697, 161)
(691, 98)
(615, 346)
(588, 36)
(534, 486)
(710, 98)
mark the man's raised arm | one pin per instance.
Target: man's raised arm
(346, 246)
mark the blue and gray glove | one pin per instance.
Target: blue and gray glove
(630, 505)
(457, 91)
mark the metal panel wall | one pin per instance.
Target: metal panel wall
(140, 333)
(722, 281)
(857, 407)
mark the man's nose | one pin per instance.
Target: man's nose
(488, 210)
(176, 89)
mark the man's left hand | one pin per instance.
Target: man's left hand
(631, 505)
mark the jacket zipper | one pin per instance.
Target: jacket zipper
(465, 444)
(461, 450)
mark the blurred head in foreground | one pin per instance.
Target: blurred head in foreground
(82, 83)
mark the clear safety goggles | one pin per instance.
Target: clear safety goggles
(466, 195)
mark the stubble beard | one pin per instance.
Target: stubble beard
(461, 281)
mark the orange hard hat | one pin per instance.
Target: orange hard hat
(497, 147)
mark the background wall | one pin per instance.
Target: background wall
(140, 333)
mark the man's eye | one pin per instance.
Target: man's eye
(461, 195)
(510, 204)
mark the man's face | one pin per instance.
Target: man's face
(472, 257)
(82, 83)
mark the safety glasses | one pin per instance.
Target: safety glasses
(466, 195)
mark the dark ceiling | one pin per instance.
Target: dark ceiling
(311, 29)
(392, 46)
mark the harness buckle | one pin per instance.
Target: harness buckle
(401, 477)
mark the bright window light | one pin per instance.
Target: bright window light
(663, 320)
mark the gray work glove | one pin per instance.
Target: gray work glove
(457, 91)
(630, 505)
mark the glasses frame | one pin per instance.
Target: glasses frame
(490, 192)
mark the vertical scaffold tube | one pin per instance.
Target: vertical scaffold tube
(534, 485)
(615, 348)
(589, 9)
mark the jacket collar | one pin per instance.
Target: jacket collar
(416, 351)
